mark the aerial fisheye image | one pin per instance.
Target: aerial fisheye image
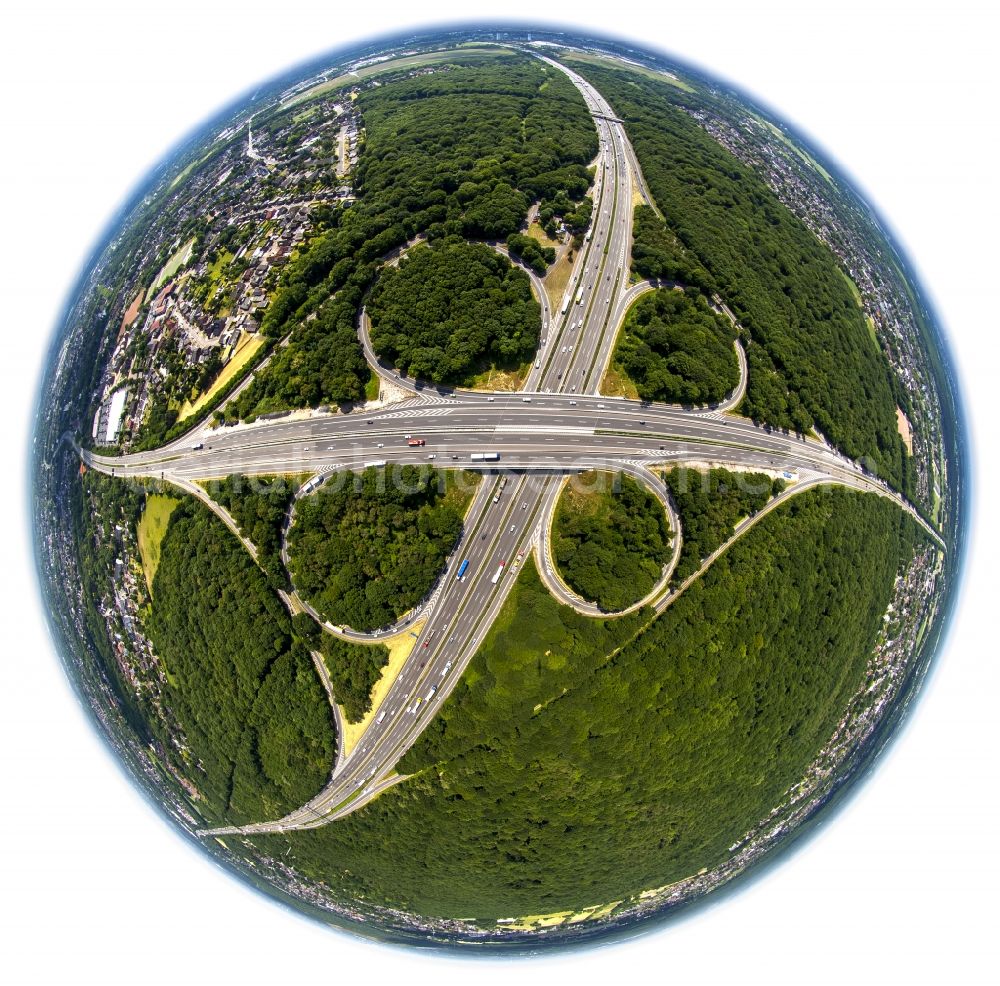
(498, 490)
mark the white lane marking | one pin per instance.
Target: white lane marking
(543, 429)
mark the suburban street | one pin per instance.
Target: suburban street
(559, 425)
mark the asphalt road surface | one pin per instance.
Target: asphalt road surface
(559, 424)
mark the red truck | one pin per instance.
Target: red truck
(416, 441)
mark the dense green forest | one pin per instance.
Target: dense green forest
(674, 348)
(451, 310)
(709, 505)
(610, 539)
(531, 252)
(814, 362)
(258, 505)
(366, 548)
(323, 364)
(556, 777)
(658, 254)
(353, 668)
(460, 152)
(257, 724)
(99, 504)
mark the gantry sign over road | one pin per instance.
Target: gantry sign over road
(557, 426)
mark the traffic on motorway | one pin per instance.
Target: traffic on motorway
(523, 443)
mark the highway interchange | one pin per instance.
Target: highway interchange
(557, 426)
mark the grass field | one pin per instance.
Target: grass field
(556, 279)
(216, 267)
(638, 69)
(152, 527)
(505, 380)
(854, 288)
(616, 383)
(536, 232)
(393, 65)
(590, 496)
(399, 650)
(245, 350)
(789, 143)
(182, 175)
(905, 430)
(305, 114)
(171, 267)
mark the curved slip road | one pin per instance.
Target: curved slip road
(559, 425)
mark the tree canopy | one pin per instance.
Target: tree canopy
(579, 761)
(610, 539)
(354, 670)
(659, 254)
(366, 548)
(813, 361)
(258, 732)
(259, 505)
(447, 312)
(531, 252)
(674, 348)
(460, 152)
(710, 504)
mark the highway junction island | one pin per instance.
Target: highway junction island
(494, 488)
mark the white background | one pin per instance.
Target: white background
(901, 889)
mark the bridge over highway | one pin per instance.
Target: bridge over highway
(557, 426)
